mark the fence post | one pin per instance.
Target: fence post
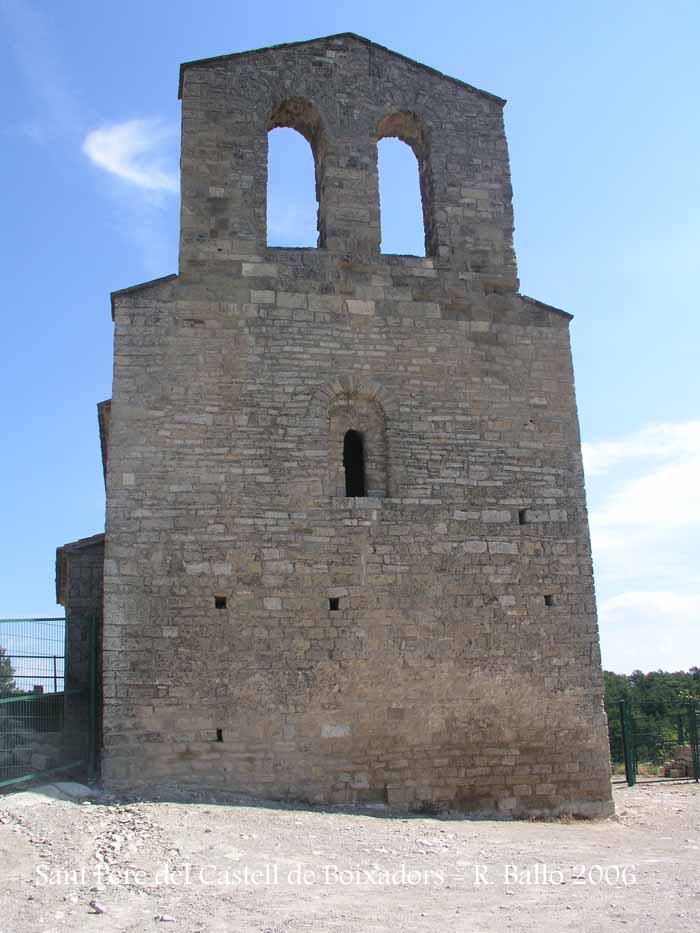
(627, 744)
(693, 730)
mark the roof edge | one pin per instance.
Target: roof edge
(83, 543)
(337, 35)
(543, 304)
(135, 288)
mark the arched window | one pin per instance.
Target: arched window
(294, 175)
(399, 200)
(358, 462)
(405, 187)
(354, 464)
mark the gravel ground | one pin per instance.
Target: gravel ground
(207, 862)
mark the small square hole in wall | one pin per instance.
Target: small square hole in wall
(219, 602)
(334, 603)
(548, 599)
(219, 735)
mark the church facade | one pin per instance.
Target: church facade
(347, 553)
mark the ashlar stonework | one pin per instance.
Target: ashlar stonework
(347, 553)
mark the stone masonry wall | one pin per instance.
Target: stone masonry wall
(434, 642)
(79, 588)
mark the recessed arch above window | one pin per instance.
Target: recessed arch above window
(406, 196)
(295, 215)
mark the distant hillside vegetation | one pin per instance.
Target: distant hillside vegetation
(656, 693)
(658, 703)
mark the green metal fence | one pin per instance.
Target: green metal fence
(649, 745)
(47, 698)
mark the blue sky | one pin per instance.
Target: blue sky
(604, 143)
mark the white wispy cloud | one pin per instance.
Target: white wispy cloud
(139, 152)
(654, 441)
(650, 629)
(666, 497)
(645, 529)
(658, 491)
(136, 152)
(650, 604)
(136, 157)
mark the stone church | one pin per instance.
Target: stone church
(347, 554)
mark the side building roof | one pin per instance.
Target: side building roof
(62, 555)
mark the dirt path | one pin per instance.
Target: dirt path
(212, 865)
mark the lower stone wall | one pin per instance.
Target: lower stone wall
(442, 679)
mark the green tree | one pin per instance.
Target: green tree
(658, 702)
(8, 687)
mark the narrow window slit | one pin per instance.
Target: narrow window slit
(522, 516)
(334, 604)
(354, 463)
(219, 735)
